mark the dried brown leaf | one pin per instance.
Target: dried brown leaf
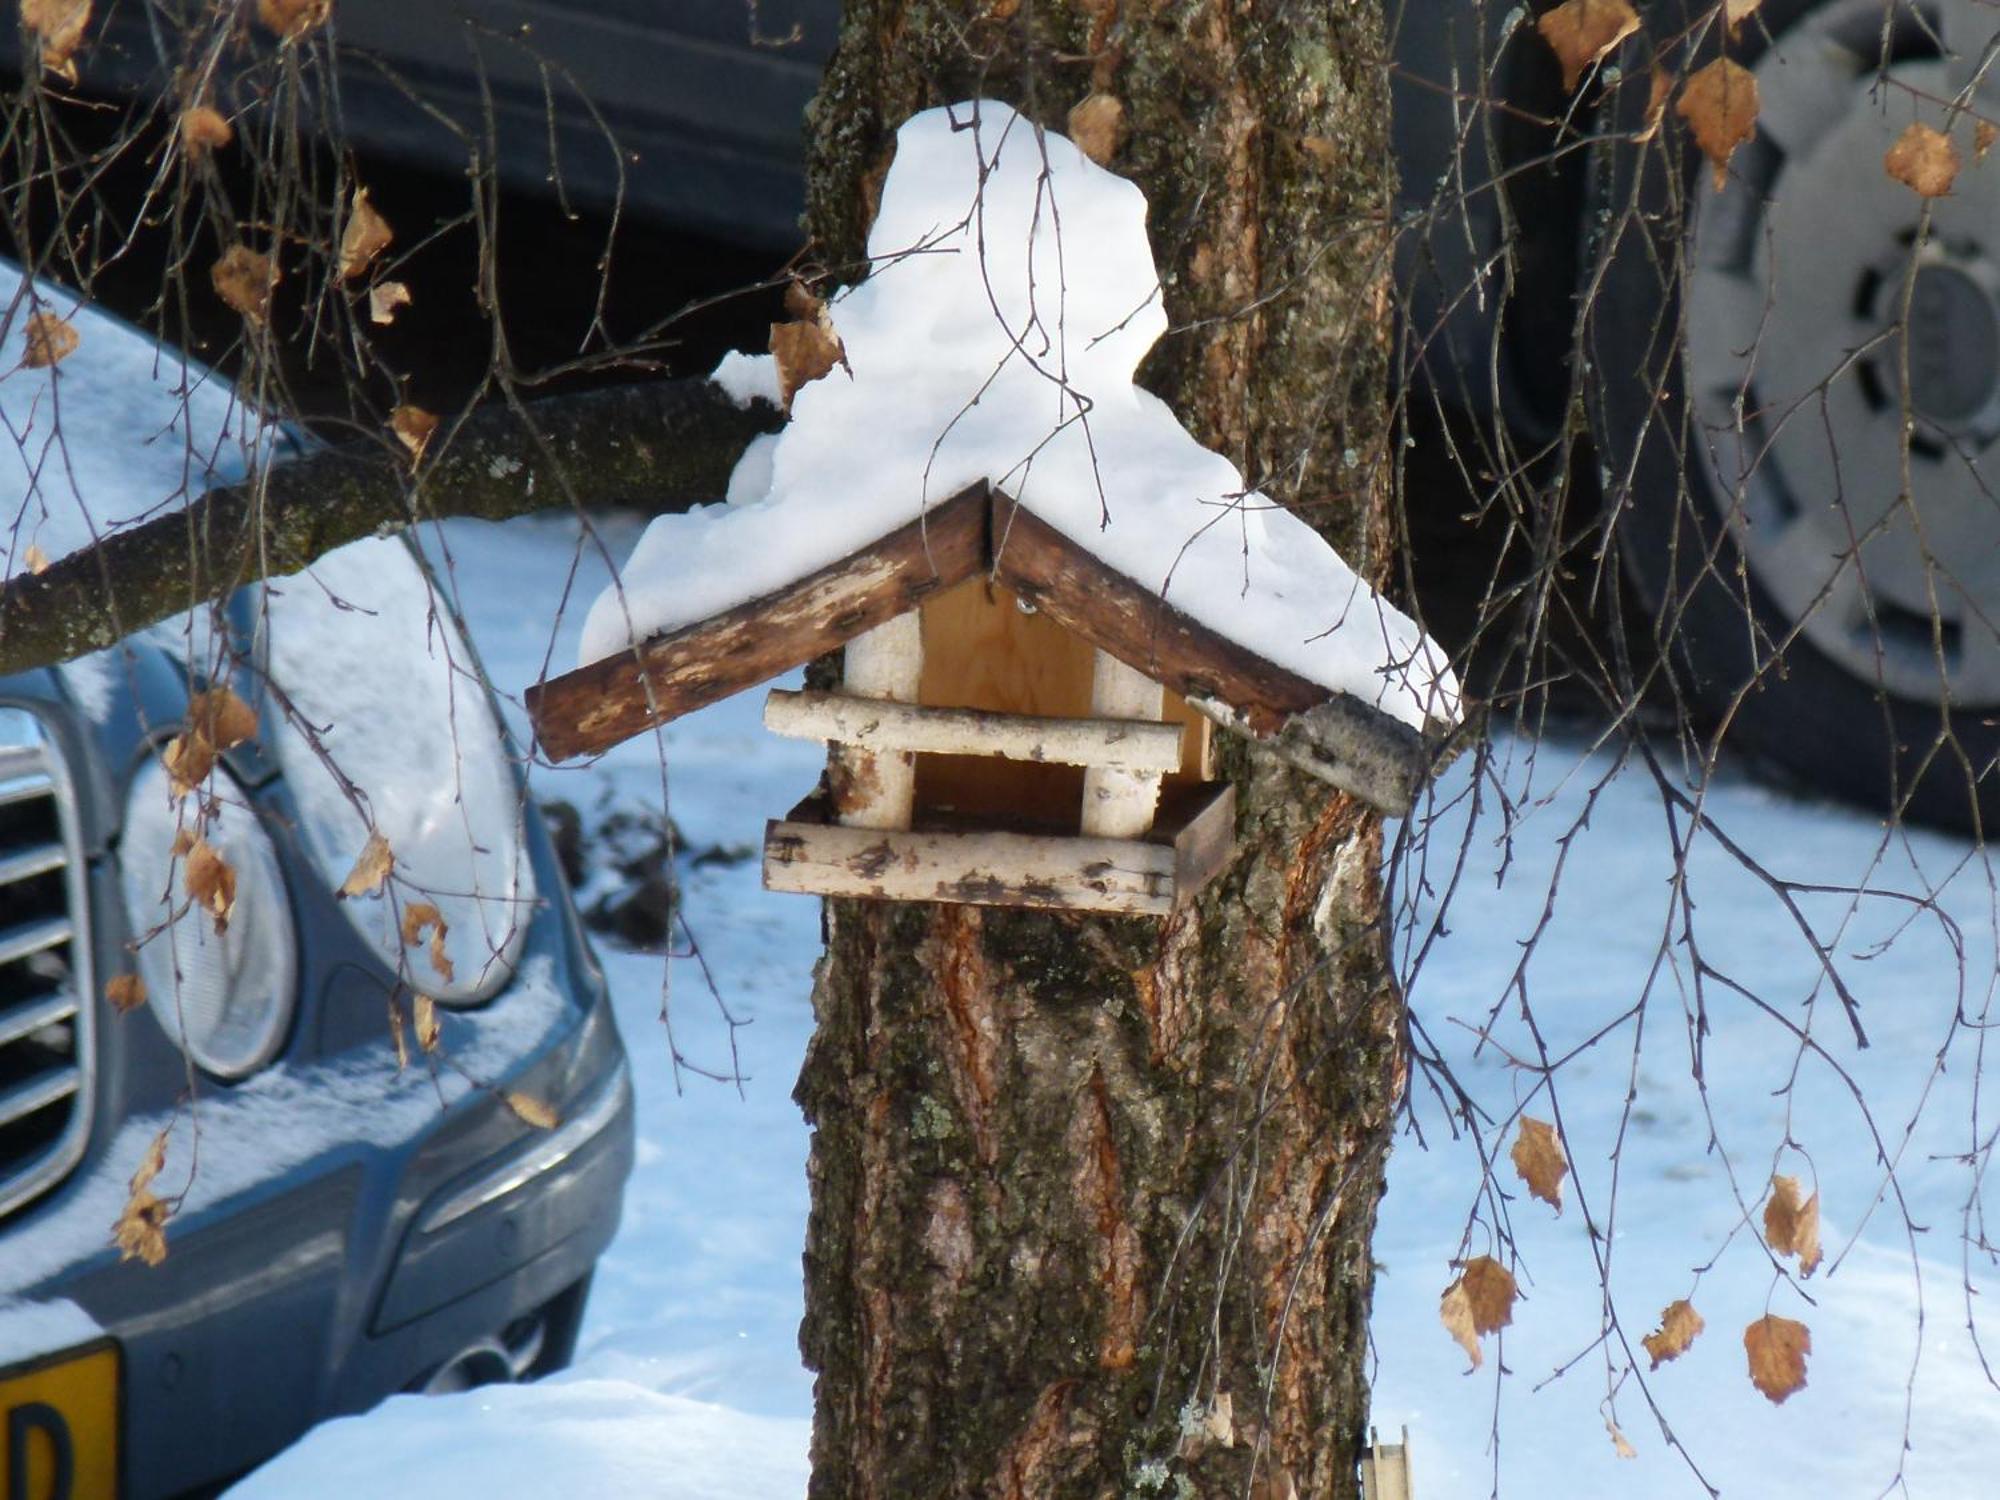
(244, 280)
(1736, 12)
(125, 992)
(203, 128)
(1538, 1157)
(1924, 160)
(188, 759)
(532, 1110)
(289, 20)
(48, 340)
(221, 718)
(370, 870)
(396, 1036)
(429, 1033)
(365, 237)
(1792, 1227)
(805, 349)
(1582, 32)
(59, 26)
(384, 298)
(1097, 125)
(1679, 1324)
(413, 427)
(210, 882)
(1480, 1302)
(141, 1230)
(1719, 103)
(183, 841)
(1777, 1348)
(34, 559)
(1984, 134)
(1619, 1444)
(420, 917)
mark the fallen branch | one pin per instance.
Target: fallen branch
(666, 445)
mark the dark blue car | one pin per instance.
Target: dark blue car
(395, 1127)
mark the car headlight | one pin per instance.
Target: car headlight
(388, 713)
(226, 997)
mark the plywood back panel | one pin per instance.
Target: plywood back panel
(982, 650)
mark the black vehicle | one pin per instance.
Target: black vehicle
(345, 1224)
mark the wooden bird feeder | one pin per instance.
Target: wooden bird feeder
(1017, 724)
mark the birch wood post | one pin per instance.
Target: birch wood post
(1120, 804)
(877, 789)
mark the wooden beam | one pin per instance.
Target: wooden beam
(1119, 803)
(598, 706)
(877, 788)
(1121, 744)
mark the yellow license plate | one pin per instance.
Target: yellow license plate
(59, 1426)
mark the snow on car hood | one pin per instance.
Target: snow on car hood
(389, 725)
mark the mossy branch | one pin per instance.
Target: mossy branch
(666, 446)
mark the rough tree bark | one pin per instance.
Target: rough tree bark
(1092, 1197)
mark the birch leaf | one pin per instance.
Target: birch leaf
(203, 128)
(59, 26)
(141, 1230)
(1480, 1302)
(1792, 1227)
(243, 279)
(210, 882)
(125, 992)
(370, 870)
(1777, 1348)
(1538, 1157)
(1719, 103)
(1582, 32)
(48, 340)
(365, 237)
(1923, 160)
(1679, 1324)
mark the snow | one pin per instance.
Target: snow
(748, 378)
(574, 1437)
(694, 1313)
(115, 433)
(28, 1329)
(1012, 297)
(390, 728)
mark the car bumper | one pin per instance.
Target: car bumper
(334, 1283)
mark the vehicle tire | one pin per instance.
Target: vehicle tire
(1746, 380)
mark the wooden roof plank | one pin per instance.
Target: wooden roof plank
(598, 706)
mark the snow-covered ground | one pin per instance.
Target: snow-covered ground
(688, 1384)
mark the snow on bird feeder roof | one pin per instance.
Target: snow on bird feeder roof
(985, 424)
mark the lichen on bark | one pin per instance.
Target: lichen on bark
(1075, 1178)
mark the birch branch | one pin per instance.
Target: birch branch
(667, 445)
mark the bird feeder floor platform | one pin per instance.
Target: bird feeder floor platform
(944, 859)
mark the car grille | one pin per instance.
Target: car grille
(46, 1034)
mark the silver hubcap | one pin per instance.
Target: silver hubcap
(1801, 363)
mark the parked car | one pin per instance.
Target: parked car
(1739, 367)
(353, 1212)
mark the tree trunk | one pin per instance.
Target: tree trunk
(1092, 1196)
